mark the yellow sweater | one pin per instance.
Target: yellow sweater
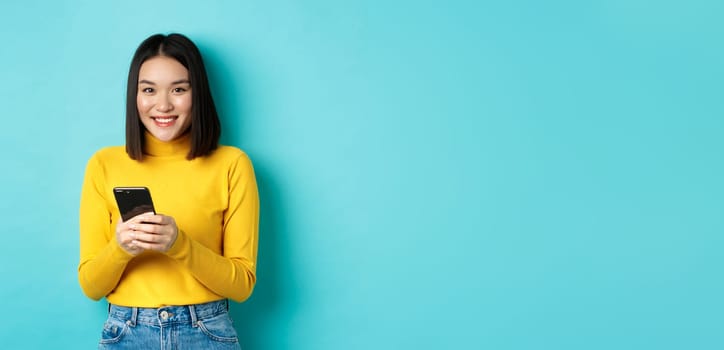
(215, 203)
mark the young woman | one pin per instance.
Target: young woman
(167, 277)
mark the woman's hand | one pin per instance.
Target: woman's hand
(125, 235)
(147, 232)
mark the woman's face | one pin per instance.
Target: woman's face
(164, 97)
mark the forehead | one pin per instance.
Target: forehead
(162, 68)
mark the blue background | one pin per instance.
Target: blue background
(433, 174)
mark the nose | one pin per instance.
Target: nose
(164, 104)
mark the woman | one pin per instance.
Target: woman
(167, 276)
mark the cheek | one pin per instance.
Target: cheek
(143, 103)
(183, 103)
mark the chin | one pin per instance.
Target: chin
(165, 137)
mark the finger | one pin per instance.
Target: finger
(148, 228)
(147, 237)
(152, 238)
(126, 241)
(166, 220)
(142, 245)
(145, 217)
(156, 229)
(159, 219)
(123, 226)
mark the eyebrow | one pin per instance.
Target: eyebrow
(180, 81)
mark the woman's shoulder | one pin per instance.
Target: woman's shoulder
(110, 153)
(104, 158)
(231, 157)
(230, 152)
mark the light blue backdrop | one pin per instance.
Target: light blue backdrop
(433, 174)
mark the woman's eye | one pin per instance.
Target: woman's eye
(179, 90)
(147, 90)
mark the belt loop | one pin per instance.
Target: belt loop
(227, 304)
(194, 319)
(134, 316)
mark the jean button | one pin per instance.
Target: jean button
(164, 315)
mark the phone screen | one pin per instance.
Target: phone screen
(133, 201)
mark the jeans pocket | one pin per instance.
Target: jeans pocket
(113, 331)
(219, 328)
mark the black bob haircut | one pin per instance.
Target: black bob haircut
(205, 127)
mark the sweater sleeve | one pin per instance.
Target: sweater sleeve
(232, 274)
(102, 260)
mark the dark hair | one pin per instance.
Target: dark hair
(205, 126)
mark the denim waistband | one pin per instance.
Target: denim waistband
(168, 314)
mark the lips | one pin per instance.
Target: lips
(164, 121)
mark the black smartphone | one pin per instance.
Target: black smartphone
(133, 201)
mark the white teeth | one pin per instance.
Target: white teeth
(164, 120)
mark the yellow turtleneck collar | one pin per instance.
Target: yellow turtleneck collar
(177, 147)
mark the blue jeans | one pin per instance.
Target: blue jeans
(200, 326)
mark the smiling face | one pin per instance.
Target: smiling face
(164, 97)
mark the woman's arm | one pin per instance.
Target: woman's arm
(232, 274)
(102, 260)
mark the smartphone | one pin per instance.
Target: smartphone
(133, 201)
